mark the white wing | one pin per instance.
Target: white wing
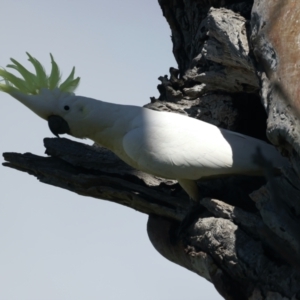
(175, 146)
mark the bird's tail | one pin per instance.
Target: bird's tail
(272, 162)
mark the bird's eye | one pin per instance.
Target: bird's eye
(66, 107)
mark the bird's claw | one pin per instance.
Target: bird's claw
(194, 209)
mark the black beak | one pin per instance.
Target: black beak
(58, 125)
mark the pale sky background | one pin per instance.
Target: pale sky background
(56, 244)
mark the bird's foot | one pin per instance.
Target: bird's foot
(194, 209)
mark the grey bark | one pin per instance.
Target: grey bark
(245, 238)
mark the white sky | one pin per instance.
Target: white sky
(56, 244)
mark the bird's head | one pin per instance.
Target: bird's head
(44, 94)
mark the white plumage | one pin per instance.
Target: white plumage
(164, 144)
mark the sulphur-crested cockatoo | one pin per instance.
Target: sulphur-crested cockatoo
(163, 144)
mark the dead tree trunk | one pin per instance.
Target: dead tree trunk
(247, 239)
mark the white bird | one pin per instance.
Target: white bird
(163, 144)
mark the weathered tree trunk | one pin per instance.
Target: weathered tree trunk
(246, 239)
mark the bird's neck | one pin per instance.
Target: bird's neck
(109, 123)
